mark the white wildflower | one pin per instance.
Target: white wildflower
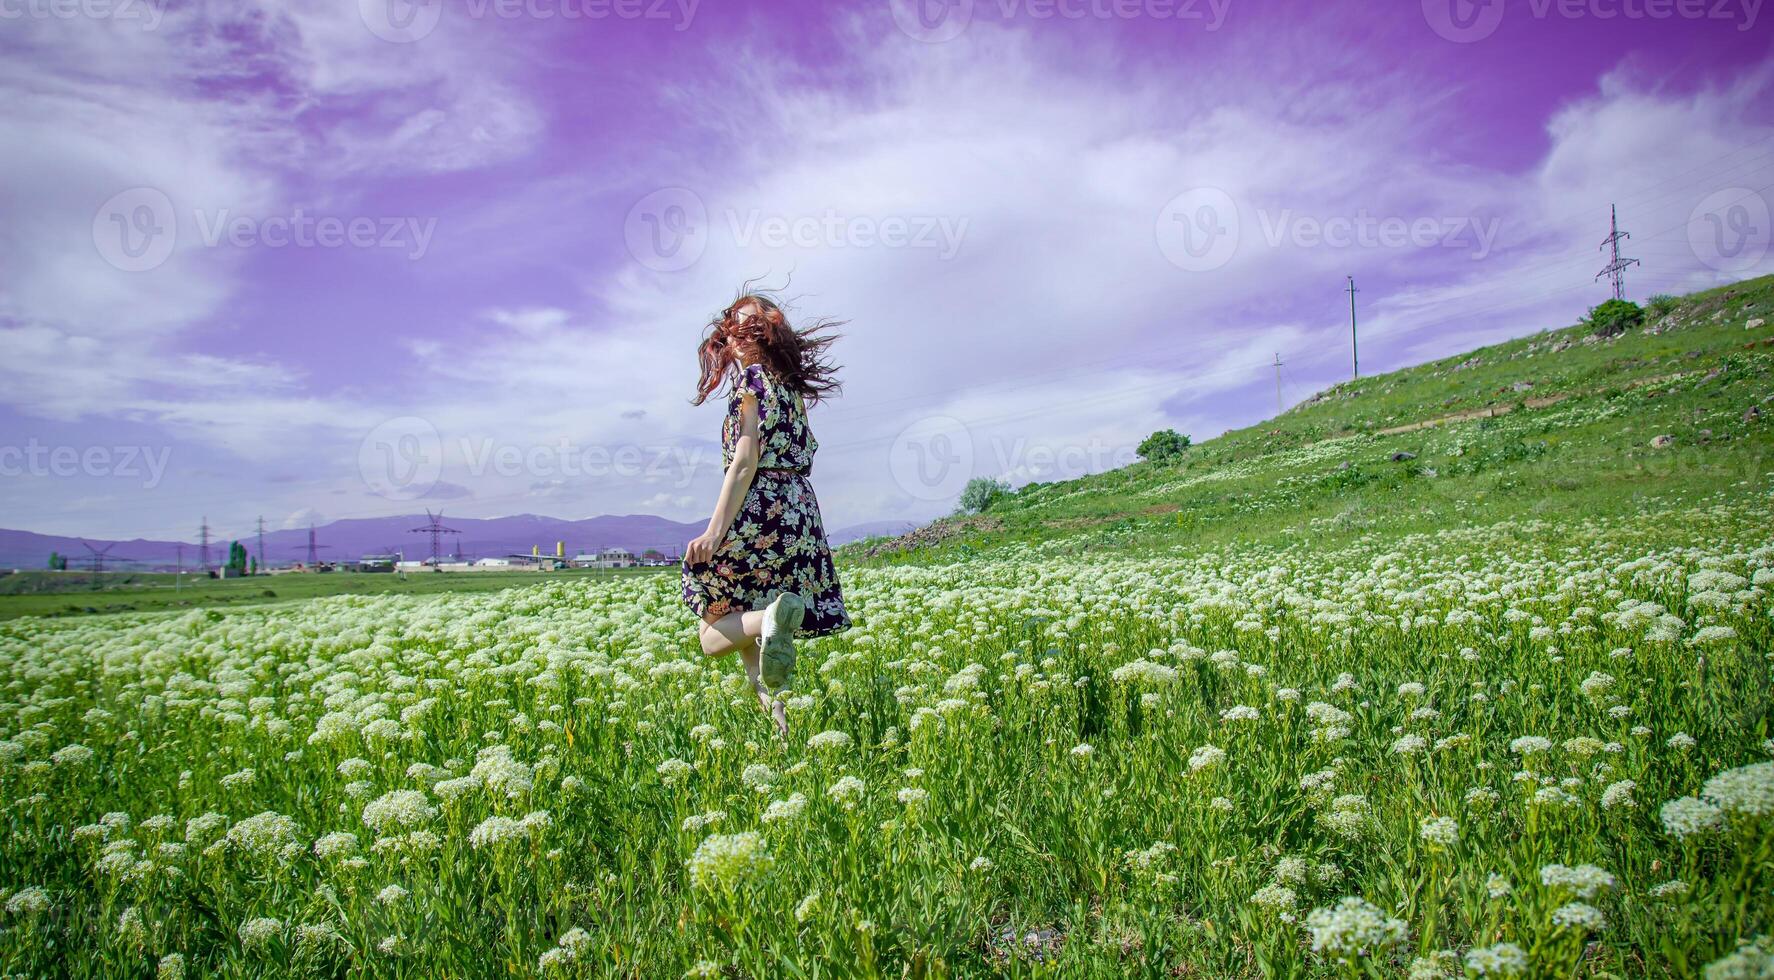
(1353, 928)
(725, 860)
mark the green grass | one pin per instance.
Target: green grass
(55, 594)
(1169, 766)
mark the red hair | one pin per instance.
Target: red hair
(797, 358)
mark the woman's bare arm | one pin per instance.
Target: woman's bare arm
(734, 486)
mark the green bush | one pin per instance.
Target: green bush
(981, 493)
(1660, 306)
(1163, 445)
(1615, 317)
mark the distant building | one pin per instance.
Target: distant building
(606, 558)
(535, 562)
(615, 558)
(493, 563)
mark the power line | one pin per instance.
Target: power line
(314, 548)
(96, 560)
(437, 530)
(1616, 265)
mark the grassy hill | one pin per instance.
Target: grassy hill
(1558, 424)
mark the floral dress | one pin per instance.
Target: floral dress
(777, 541)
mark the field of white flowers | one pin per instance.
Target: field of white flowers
(1527, 750)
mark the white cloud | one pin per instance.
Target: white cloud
(97, 107)
(303, 518)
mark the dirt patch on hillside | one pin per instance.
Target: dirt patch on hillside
(1478, 413)
(1504, 408)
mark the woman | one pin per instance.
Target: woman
(762, 574)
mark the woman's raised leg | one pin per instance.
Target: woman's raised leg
(722, 635)
(739, 632)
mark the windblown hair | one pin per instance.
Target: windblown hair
(797, 358)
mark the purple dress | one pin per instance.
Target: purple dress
(777, 541)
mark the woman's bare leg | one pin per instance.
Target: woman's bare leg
(735, 631)
(739, 632)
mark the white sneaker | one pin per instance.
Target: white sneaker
(782, 617)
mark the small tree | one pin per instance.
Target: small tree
(981, 493)
(1163, 445)
(57, 562)
(236, 559)
(1615, 317)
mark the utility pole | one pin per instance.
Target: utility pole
(1616, 264)
(178, 574)
(203, 546)
(1354, 349)
(262, 543)
(1278, 408)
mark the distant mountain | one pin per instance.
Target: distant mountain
(30, 550)
(349, 540)
(871, 529)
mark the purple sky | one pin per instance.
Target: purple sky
(1054, 226)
